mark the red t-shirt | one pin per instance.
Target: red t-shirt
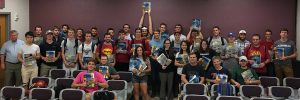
(268, 44)
(252, 52)
(145, 45)
(121, 57)
(105, 49)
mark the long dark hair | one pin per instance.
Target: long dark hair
(143, 54)
(187, 48)
(201, 48)
(171, 51)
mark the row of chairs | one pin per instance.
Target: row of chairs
(10, 92)
(246, 91)
(204, 97)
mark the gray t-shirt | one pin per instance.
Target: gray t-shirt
(216, 43)
(231, 62)
(289, 47)
(70, 49)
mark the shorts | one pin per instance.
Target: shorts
(139, 79)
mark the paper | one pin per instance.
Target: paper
(137, 64)
(205, 62)
(247, 75)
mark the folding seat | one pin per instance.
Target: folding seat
(110, 95)
(267, 81)
(57, 73)
(214, 92)
(194, 88)
(118, 86)
(261, 98)
(72, 94)
(60, 84)
(249, 91)
(229, 98)
(76, 72)
(281, 92)
(10, 92)
(196, 97)
(127, 76)
(294, 83)
(42, 94)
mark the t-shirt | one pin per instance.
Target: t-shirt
(45, 47)
(27, 50)
(259, 55)
(122, 45)
(80, 79)
(111, 70)
(214, 74)
(231, 62)
(193, 73)
(182, 37)
(216, 43)
(237, 75)
(242, 45)
(70, 49)
(87, 51)
(170, 55)
(289, 48)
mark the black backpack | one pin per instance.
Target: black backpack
(93, 47)
(65, 44)
(210, 38)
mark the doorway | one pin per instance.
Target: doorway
(4, 29)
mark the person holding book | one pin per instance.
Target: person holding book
(181, 59)
(219, 74)
(122, 55)
(89, 80)
(215, 41)
(50, 52)
(230, 53)
(86, 50)
(269, 43)
(106, 47)
(140, 65)
(205, 52)
(106, 70)
(27, 55)
(9, 59)
(241, 41)
(139, 41)
(192, 72)
(258, 55)
(176, 43)
(245, 75)
(68, 52)
(146, 32)
(285, 52)
(193, 33)
(166, 71)
(178, 28)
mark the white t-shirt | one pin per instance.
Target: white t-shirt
(27, 50)
(87, 50)
(182, 37)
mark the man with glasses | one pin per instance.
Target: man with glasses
(258, 55)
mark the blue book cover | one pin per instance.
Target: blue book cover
(147, 6)
(88, 77)
(257, 61)
(222, 78)
(194, 79)
(164, 35)
(121, 46)
(279, 53)
(136, 45)
(50, 55)
(196, 23)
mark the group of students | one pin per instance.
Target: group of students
(194, 59)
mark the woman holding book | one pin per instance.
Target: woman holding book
(140, 65)
(166, 71)
(207, 52)
(181, 59)
(89, 80)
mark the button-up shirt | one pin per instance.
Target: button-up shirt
(10, 50)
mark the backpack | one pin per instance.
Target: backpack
(210, 38)
(93, 47)
(65, 44)
(104, 95)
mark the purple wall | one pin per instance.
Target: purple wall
(231, 15)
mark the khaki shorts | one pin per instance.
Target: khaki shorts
(29, 73)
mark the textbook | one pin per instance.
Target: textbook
(103, 70)
(147, 6)
(257, 61)
(28, 59)
(163, 60)
(50, 56)
(196, 23)
(279, 53)
(194, 79)
(247, 75)
(183, 59)
(222, 78)
(137, 64)
(155, 50)
(111, 58)
(88, 78)
(205, 62)
(121, 46)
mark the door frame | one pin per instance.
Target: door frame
(8, 23)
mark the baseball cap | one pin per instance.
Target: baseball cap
(230, 34)
(243, 58)
(242, 31)
(49, 32)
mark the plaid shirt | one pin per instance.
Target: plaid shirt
(242, 45)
